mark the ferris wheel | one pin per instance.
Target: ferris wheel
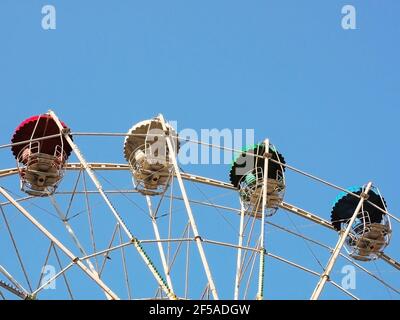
(146, 229)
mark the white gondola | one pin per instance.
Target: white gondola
(146, 151)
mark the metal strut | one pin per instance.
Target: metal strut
(15, 291)
(193, 225)
(212, 182)
(171, 295)
(159, 244)
(260, 293)
(52, 238)
(325, 275)
(239, 254)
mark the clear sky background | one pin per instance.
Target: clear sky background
(328, 98)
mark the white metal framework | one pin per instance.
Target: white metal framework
(153, 247)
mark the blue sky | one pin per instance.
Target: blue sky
(328, 98)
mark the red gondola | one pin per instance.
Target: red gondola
(40, 160)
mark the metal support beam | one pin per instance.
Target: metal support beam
(260, 293)
(14, 290)
(306, 214)
(212, 182)
(239, 254)
(75, 239)
(314, 218)
(159, 243)
(16, 287)
(172, 156)
(391, 261)
(71, 232)
(99, 187)
(325, 275)
(52, 238)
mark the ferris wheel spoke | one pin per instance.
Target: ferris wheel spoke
(64, 273)
(137, 245)
(210, 202)
(106, 252)
(170, 208)
(354, 297)
(13, 290)
(260, 293)
(316, 219)
(178, 248)
(75, 260)
(187, 262)
(158, 294)
(73, 194)
(286, 206)
(123, 193)
(246, 264)
(16, 287)
(123, 257)
(30, 201)
(370, 273)
(70, 231)
(106, 166)
(242, 265)
(22, 199)
(250, 262)
(52, 279)
(16, 248)
(390, 261)
(352, 261)
(380, 275)
(251, 273)
(74, 238)
(254, 252)
(46, 260)
(300, 267)
(205, 293)
(305, 242)
(175, 254)
(189, 211)
(153, 216)
(324, 223)
(325, 275)
(90, 220)
(159, 244)
(283, 205)
(239, 253)
(251, 214)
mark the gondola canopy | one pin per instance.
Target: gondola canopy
(38, 127)
(345, 205)
(253, 155)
